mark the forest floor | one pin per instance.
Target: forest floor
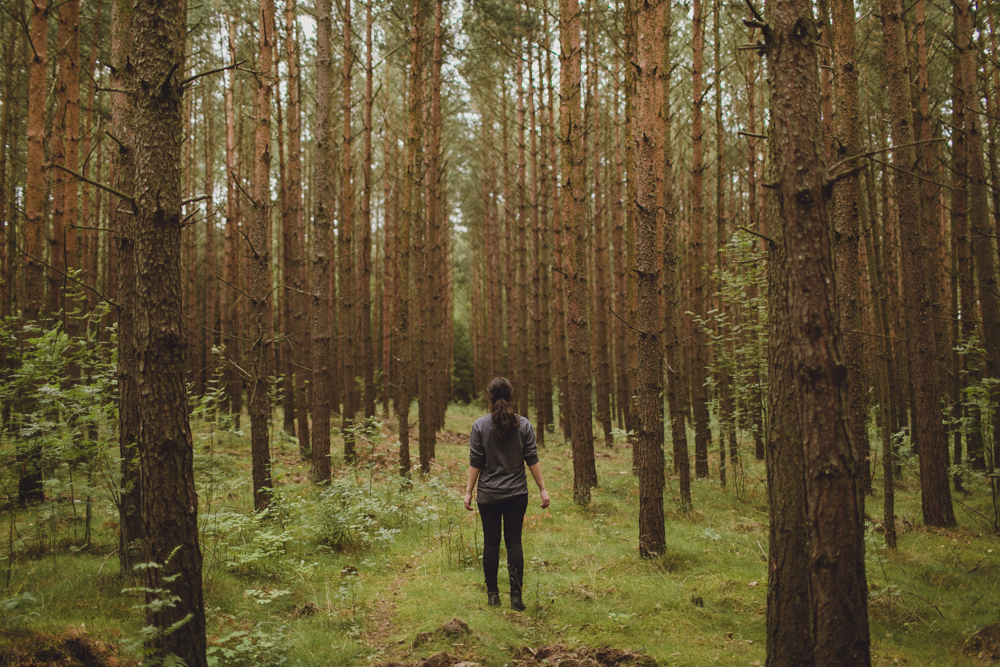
(368, 572)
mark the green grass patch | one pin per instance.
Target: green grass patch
(353, 572)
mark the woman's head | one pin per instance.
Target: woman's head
(501, 395)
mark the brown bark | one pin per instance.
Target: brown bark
(35, 192)
(645, 136)
(323, 162)
(522, 353)
(347, 256)
(622, 394)
(169, 499)
(727, 423)
(365, 250)
(790, 641)
(90, 216)
(230, 320)
(935, 492)
(540, 300)
(575, 260)
(602, 343)
(432, 284)
(979, 223)
(671, 303)
(260, 270)
(210, 283)
(390, 290)
(846, 194)
(130, 524)
(296, 274)
(405, 230)
(7, 220)
(558, 276)
(69, 121)
(699, 283)
(808, 347)
(35, 309)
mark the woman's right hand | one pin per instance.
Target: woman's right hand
(545, 498)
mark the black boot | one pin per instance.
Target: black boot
(493, 599)
(516, 602)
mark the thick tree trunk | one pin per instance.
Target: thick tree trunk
(260, 269)
(169, 499)
(575, 261)
(935, 491)
(323, 163)
(812, 467)
(645, 137)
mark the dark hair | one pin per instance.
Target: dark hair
(501, 395)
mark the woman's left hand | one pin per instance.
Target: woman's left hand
(468, 500)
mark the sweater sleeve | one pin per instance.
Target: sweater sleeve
(530, 449)
(477, 451)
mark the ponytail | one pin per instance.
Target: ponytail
(501, 395)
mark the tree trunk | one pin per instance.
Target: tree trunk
(935, 492)
(365, 251)
(296, 274)
(231, 264)
(8, 218)
(130, 523)
(169, 499)
(645, 137)
(260, 269)
(347, 256)
(575, 260)
(323, 162)
(671, 309)
(431, 284)
(35, 190)
(405, 230)
(846, 195)
(820, 488)
(979, 222)
(699, 342)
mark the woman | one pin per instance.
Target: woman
(500, 445)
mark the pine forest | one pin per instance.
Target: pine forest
(737, 259)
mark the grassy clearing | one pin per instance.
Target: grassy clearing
(353, 573)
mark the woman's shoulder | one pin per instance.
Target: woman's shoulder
(523, 423)
(483, 421)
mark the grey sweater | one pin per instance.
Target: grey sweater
(501, 461)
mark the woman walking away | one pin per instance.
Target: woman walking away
(500, 445)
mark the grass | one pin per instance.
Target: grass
(352, 574)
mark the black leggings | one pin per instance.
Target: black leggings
(511, 513)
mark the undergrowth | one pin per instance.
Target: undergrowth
(353, 571)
